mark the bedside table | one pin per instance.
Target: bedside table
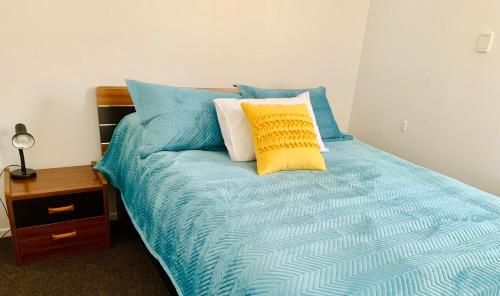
(63, 211)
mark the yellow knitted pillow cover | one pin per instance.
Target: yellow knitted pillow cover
(283, 138)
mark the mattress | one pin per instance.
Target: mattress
(372, 224)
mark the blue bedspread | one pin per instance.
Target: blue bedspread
(372, 224)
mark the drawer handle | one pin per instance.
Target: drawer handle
(68, 208)
(64, 235)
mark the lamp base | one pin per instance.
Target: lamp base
(18, 174)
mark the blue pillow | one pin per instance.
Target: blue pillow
(176, 118)
(327, 125)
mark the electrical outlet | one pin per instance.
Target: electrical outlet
(404, 126)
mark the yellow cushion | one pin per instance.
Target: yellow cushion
(283, 138)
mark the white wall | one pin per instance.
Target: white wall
(419, 63)
(54, 53)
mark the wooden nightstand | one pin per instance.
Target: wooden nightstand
(63, 211)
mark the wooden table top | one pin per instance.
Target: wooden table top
(55, 181)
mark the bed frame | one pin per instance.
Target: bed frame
(114, 103)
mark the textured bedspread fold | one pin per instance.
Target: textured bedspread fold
(372, 224)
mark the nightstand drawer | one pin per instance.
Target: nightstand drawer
(40, 211)
(61, 237)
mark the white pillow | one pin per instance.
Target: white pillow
(236, 130)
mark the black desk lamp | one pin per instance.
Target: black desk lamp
(22, 140)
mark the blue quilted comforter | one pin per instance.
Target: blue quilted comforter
(372, 224)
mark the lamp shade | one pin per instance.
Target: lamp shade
(22, 139)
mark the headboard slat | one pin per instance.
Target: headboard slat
(114, 103)
(113, 114)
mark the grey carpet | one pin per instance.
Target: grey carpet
(126, 269)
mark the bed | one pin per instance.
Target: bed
(372, 224)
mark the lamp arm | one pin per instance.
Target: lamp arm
(23, 164)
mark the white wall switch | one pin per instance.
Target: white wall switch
(485, 41)
(404, 126)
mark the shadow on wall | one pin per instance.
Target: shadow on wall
(61, 129)
(91, 104)
(8, 154)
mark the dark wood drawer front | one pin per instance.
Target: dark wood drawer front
(39, 211)
(61, 237)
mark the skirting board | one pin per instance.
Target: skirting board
(4, 230)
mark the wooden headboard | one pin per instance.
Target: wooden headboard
(114, 102)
